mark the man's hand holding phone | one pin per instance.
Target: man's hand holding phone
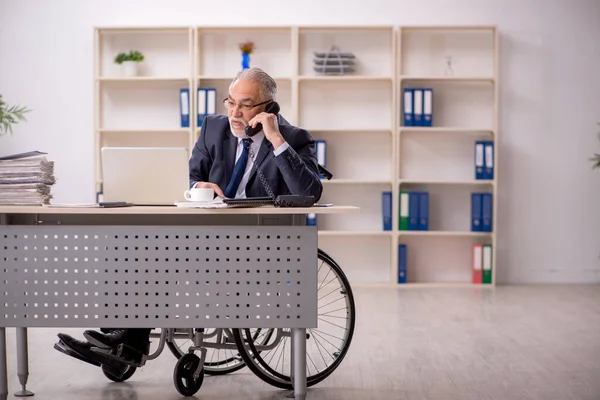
(269, 126)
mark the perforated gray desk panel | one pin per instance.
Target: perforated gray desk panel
(158, 276)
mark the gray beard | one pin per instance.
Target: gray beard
(236, 134)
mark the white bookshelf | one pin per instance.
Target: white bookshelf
(440, 159)
(141, 111)
(359, 115)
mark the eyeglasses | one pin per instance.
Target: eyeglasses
(246, 107)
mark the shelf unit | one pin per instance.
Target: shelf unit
(359, 116)
(143, 110)
(440, 159)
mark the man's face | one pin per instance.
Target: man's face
(243, 93)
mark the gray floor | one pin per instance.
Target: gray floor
(519, 342)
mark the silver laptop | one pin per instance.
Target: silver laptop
(145, 175)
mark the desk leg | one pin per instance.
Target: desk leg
(299, 363)
(3, 369)
(22, 362)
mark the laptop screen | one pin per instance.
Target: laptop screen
(144, 175)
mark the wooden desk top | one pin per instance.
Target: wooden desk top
(177, 210)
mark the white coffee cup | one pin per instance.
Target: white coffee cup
(199, 194)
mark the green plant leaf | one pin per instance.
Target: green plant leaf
(596, 158)
(132, 55)
(10, 115)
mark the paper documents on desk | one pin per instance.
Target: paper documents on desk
(216, 203)
(72, 205)
(26, 179)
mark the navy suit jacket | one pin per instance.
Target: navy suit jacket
(294, 171)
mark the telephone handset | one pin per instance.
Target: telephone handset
(272, 108)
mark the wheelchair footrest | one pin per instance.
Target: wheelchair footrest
(130, 355)
(123, 353)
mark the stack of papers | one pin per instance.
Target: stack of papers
(216, 203)
(26, 179)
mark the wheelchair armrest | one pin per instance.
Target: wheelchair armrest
(328, 175)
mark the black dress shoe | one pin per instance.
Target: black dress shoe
(138, 339)
(109, 340)
(82, 351)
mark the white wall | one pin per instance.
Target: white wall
(549, 206)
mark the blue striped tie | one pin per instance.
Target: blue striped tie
(238, 171)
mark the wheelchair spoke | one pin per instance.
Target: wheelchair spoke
(333, 345)
(319, 349)
(324, 279)
(262, 335)
(274, 351)
(325, 305)
(327, 283)
(329, 334)
(332, 316)
(331, 323)
(309, 358)
(281, 357)
(332, 311)
(333, 291)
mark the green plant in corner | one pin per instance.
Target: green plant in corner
(10, 115)
(133, 55)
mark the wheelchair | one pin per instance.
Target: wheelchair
(264, 351)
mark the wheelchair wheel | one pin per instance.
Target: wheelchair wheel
(185, 381)
(128, 374)
(219, 361)
(326, 345)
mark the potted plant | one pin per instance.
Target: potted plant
(130, 62)
(596, 158)
(10, 115)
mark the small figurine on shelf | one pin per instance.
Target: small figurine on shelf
(448, 71)
(246, 48)
(130, 62)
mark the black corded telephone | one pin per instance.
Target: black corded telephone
(288, 200)
(272, 108)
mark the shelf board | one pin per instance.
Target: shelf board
(343, 131)
(335, 78)
(355, 181)
(354, 233)
(230, 78)
(345, 28)
(143, 29)
(174, 130)
(142, 79)
(442, 129)
(435, 285)
(422, 285)
(448, 28)
(201, 28)
(447, 182)
(445, 233)
(468, 79)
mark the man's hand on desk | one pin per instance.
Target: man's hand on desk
(215, 187)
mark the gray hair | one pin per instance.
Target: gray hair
(267, 85)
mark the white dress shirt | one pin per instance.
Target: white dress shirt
(253, 152)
